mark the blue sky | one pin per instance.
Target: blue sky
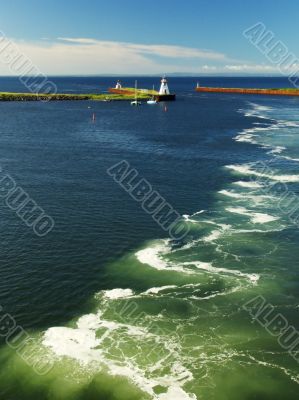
(129, 36)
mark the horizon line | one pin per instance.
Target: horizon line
(171, 74)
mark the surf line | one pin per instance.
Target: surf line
(152, 202)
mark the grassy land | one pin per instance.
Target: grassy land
(113, 96)
(148, 92)
(287, 89)
(7, 96)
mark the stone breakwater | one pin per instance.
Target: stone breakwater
(275, 92)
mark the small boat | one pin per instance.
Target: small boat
(152, 100)
(135, 102)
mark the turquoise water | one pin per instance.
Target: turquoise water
(114, 306)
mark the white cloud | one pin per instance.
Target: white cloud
(168, 51)
(78, 40)
(89, 56)
(80, 56)
(209, 68)
(251, 68)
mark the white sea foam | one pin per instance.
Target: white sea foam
(156, 290)
(198, 212)
(78, 344)
(210, 268)
(188, 217)
(117, 293)
(83, 346)
(176, 393)
(244, 196)
(258, 111)
(152, 255)
(253, 114)
(261, 218)
(252, 134)
(152, 258)
(217, 233)
(190, 295)
(291, 124)
(279, 229)
(214, 235)
(277, 150)
(255, 217)
(221, 225)
(89, 321)
(234, 195)
(91, 350)
(246, 169)
(290, 158)
(258, 107)
(246, 184)
(246, 137)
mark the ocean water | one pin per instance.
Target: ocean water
(115, 307)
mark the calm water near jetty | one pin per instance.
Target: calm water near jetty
(120, 310)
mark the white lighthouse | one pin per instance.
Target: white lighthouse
(118, 85)
(164, 87)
